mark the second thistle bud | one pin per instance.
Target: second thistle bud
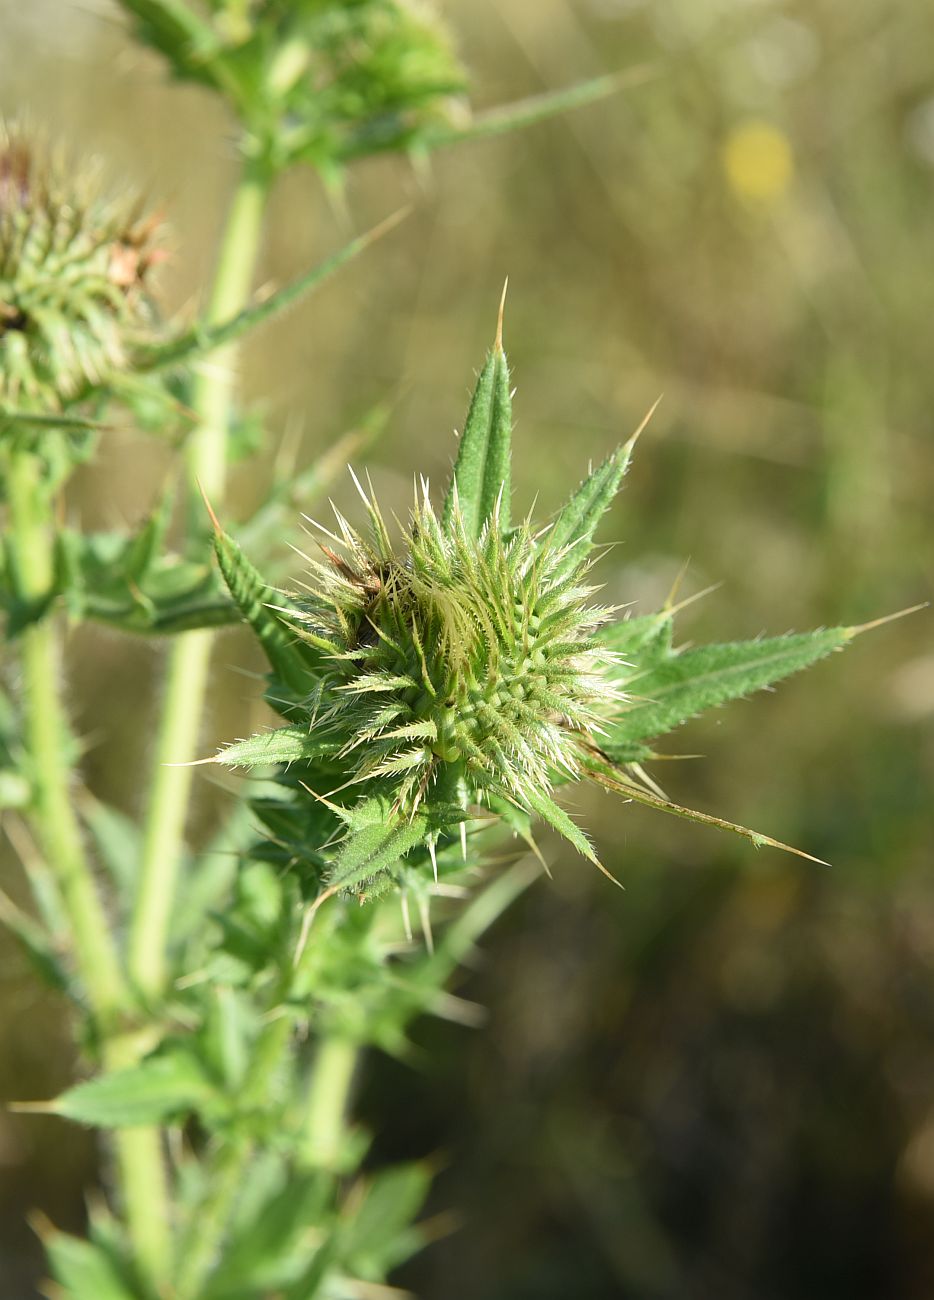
(73, 265)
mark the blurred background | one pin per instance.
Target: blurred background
(720, 1082)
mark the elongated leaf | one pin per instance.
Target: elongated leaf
(576, 522)
(638, 794)
(203, 338)
(291, 659)
(545, 807)
(190, 44)
(381, 1235)
(60, 420)
(145, 547)
(35, 942)
(85, 1270)
(118, 841)
(281, 745)
(683, 685)
(268, 1248)
(375, 845)
(122, 581)
(537, 108)
(482, 470)
(640, 640)
(159, 1089)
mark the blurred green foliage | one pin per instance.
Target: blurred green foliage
(722, 1080)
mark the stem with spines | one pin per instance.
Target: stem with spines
(138, 1152)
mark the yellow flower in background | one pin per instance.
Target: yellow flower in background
(758, 161)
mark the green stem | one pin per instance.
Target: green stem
(48, 742)
(328, 1099)
(189, 660)
(138, 1153)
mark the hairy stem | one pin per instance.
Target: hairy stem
(48, 743)
(328, 1099)
(189, 659)
(138, 1155)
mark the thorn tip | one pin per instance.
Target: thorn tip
(498, 342)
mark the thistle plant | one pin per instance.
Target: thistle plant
(439, 683)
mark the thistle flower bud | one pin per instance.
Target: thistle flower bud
(460, 665)
(469, 665)
(72, 271)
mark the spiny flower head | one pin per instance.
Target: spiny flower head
(467, 663)
(72, 271)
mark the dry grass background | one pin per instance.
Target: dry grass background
(722, 1081)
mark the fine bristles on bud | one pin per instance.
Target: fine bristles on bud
(72, 270)
(458, 661)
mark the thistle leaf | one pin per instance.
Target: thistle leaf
(557, 818)
(376, 843)
(203, 338)
(641, 640)
(575, 524)
(639, 794)
(291, 660)
(85, 1270)
(154, 1091)
(482, 471)
(190, 43)
(123, 582)
(536, 108)
(117, 839)
(36, 943)
(684, 684)
(281, 745)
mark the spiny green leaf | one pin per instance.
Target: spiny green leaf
(576, 522)
(280, 745)
(123, 582)
(118, 840)
(482, 470)
(290, 659)
(158, 1089)
(269, 1246)
(203, 338)
(536, 108)
(146, 545)
(174, 28)
(380, 1235)
(624, 786)
(545, 807)
(85, 1270)
(376, 847)
(640, 639)
(687, 683)
(59, 420)
(35, 942)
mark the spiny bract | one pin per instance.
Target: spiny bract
(72, 266)
(468, 663)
